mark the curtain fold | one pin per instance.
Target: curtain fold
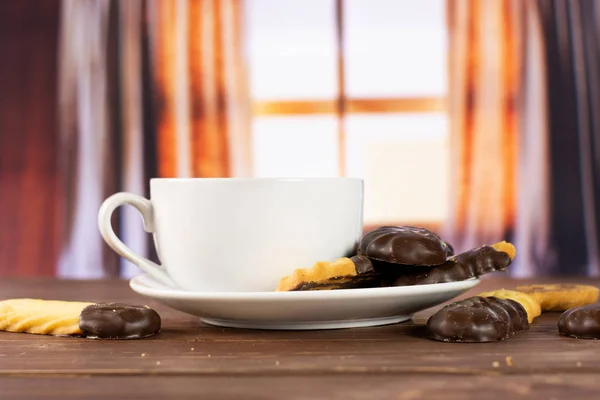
(571, 57)
(485, 65)
(30, 197)
(148, 88)
(163, 27)
(525, 131)
(532, 228)
(87, 141)
(133, 175)
(202, 100)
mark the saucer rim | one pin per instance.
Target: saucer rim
(138, 285)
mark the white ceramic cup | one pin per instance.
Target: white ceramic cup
(238, 234)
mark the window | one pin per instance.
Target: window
(353, 88)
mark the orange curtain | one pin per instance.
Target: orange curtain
(202, 99)
(147, 88)
(498, 137)
(484, 73)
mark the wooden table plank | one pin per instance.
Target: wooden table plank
(348, 363)
(342, 387)
(389, 349)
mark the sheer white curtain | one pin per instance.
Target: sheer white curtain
(101, 148)
(84, 130)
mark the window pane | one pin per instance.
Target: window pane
(291, 49)
(404, 161)
(395, 48)
(295, 146)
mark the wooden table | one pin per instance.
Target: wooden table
(191, 360)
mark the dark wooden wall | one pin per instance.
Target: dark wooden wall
(29, 196)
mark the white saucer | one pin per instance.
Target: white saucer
(327, 309)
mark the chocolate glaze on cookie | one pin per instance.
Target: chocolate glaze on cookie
(365, 278)
(581, 322)
(477, 319)
(119, 321)
(405, 245)
(362, 265)
(340, 282)
(470, 264)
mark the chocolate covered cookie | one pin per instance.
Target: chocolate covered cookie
(581, 322)
(118, 321)
(405, 245)
(469, 264)
(70, 318)
(477, 320)
(343, 273)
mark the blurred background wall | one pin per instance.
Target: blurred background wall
(475, 118)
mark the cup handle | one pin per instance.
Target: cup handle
(144, 206)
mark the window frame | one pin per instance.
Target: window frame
(342, 105)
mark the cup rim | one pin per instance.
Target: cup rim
(259, 179)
